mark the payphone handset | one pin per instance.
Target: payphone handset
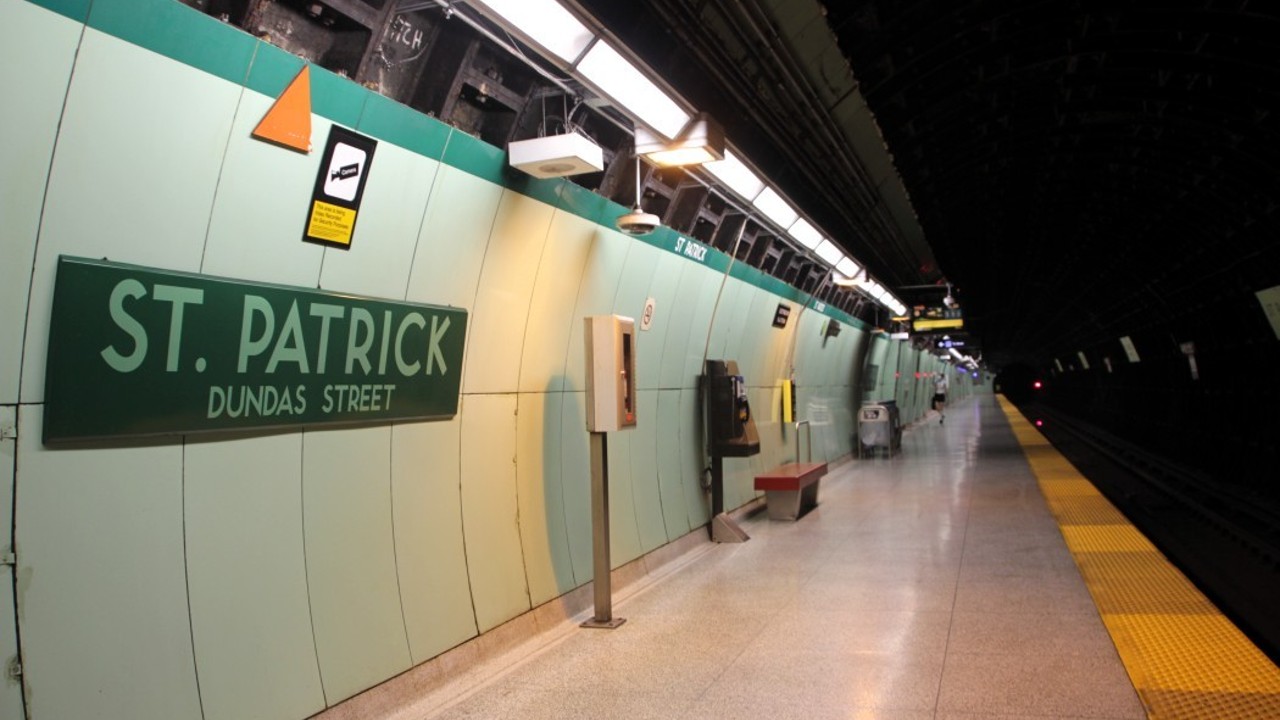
(741, 409)
(730, 427)
(610, 342)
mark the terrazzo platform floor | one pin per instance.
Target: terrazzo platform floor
(933, 585)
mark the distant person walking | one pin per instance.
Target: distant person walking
(940, 394)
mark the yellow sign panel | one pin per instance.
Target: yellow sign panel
(939, 324)
(331, 223)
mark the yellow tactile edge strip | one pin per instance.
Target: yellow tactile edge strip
(1185, 659)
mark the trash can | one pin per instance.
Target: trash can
(879, 426)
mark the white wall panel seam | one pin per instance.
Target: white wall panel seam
(306, 569)
(395, 547)
(217, 185)
(186, 582)
(422, 222)
(44, 201)
(462, 381)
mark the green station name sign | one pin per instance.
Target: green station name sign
(138, 351)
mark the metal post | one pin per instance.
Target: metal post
(717, 485)
(601, 584)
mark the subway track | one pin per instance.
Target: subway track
(1225, 541)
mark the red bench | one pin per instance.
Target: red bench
(791, 490)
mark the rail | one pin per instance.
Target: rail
(808, 429)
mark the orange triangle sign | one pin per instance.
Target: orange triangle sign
(288, 122)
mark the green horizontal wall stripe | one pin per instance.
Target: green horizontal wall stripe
(387, 119)
(178, 32)
(336, 97)
(77, 10)
(181, 33)
(585, 204)
(471, 155)
(273, 69)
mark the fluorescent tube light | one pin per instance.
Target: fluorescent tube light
(848, 268)
(828, 251)
(701, 141)
(775, 208)
(736, 176)
(616, 77)
(805, 234)
(546, 23)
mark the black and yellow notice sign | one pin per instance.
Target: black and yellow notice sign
(335, 203)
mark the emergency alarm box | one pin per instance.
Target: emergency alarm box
(610, 342)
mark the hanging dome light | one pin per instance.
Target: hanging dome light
(638, 222)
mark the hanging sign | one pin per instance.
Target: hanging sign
(140, 351)
(335, 202)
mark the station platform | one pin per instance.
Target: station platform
(935, 584)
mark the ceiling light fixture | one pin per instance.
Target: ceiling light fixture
(546, 23)
(625, 84)
(775, 208)
(829, 253)
(700, 141)
(736, 176)
(638, 222)
(803, 232)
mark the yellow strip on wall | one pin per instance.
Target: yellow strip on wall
(1185, 659)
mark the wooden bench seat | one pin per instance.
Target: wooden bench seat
(791, 490)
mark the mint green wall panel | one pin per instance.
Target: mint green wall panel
(426, 495)
(742, 337)
(675, 504)
(678, 323)
(26, 149)
(686, 338)
(246, 575)
(128, 112)
(635, 286)
(10, 689)
(543, 533)
(725, 324)
(351, 562)
(663, 289)
(455, 233)
(502, 299)
(551, 317)
(490, 510)
(695, 351)
(101, 580)
(381, 253)
(575, 473)
(260, 211)
(692, 459)
(596, 294)
(758, 341)
(645, 490)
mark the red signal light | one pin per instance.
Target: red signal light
(1037, 385)
(1039, 423)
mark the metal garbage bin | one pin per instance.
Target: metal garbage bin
(879, 426)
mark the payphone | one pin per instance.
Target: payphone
(730, 433)
(610, 342)
(611, 378)
(730, 427)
